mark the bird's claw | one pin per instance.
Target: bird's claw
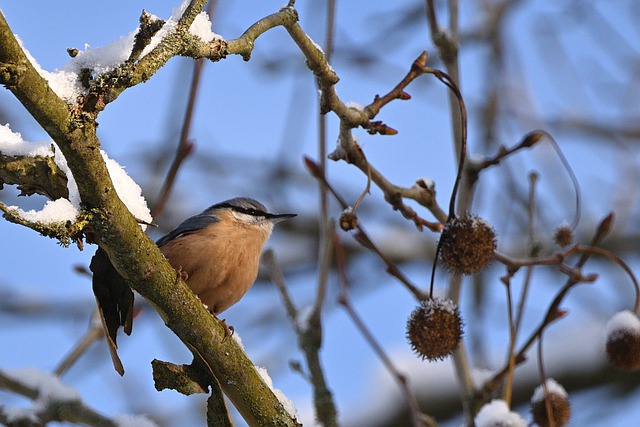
(228, 329)
(181, 274)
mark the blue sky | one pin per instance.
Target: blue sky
(245, 111)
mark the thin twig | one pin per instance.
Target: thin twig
(553, 312)
(275, 273)
(94, 333)
(533, 251)
(452, 85)
(528, 141)
(417, 417)
(543, 381)
(309, 333)
(511, 361)
(362, 237)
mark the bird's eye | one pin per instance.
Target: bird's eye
(252, 212)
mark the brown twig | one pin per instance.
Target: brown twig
(543, 381)
(94, 333)
(553, 312)
(398, 92)
(512, 344)
(451, 84)
(309, 333)
(533, 252)
(362, 237)
(185, 145)
(529, 141)
(350, 151)
(418, 419)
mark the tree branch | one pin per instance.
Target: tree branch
(133, 253)
(34, 175)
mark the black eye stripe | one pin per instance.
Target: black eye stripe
(247, 211)
(250, 211)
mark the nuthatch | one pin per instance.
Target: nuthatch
(218, 252)
(219, 249)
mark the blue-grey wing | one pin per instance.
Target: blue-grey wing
(188, 226)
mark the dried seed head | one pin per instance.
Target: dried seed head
(467, 244)
(563, 235)
(560, 407)
(348, 220)
(497, 414)
(623, 341)
(434, 328)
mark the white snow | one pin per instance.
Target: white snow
(54, 211)
(426, 182)
(288, 404)
(355, 106)
(12, 144)
(445, 304)
(62, 210)
(14, 413)
(480, 376)
(201, 27)
(51, 390)
(497, 414)
(49, 386)
(128, 190)
(304, 314)
(134, 421)
(237, 339)
(623, 321)
(552, 388)
(64, 80)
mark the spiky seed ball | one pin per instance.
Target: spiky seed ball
(348, 220)
(623, 341)
(563, 235)
(497, 414)
(434, 328)
(467, 244)
(560, 407)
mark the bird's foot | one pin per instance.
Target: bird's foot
(228, 329)
(181, 274)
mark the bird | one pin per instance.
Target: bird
(217, 253)
(218, 250)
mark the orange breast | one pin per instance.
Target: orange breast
(221, 261)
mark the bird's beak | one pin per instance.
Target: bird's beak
(276, 218)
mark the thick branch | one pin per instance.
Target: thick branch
(132, 253)
(243, 45)
(50, 409)
(34, 175)
(349, 151)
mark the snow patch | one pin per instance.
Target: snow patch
(497, 413)
(552, 388)
(284, 400)
(623, 321)
(62, 210)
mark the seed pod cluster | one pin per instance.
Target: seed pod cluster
(467, 244)
(348, 220)
(560, 407)
(498, 414)
(563, 235)
(434, 328)
(623, 341)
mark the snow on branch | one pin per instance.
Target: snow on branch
(64, 206)
(54, 401)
